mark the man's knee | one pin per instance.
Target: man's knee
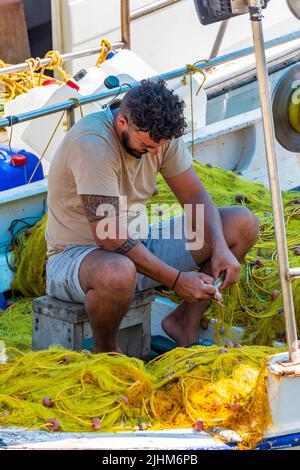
(241, 226)
(249, 226)
(117, 275)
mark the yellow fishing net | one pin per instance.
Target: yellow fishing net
(255, 303)
(216, 387)
(60, 390)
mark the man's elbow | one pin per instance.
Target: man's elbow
(108, 244)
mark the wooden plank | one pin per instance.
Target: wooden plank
(14, 43)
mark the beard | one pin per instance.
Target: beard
(130, 150)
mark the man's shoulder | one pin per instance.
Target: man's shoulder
(99, 123)
(93, 134)
(94, 130)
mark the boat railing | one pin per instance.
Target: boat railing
(70, 105)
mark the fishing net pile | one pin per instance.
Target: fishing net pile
(207, 388)
(255, 303)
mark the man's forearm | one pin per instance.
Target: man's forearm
(213, 227)
(146, 263)
(189, 190)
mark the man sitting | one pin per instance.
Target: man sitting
(106, 167)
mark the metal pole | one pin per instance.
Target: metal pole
(118, 45)
(70, 118)
(65, 57)
(268, 124)
(219, 39)
(125, 23)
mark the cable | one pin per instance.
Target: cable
(116, 95)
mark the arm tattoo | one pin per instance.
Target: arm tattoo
(127, 246)
(91, 204)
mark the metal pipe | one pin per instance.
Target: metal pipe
(152, 8)
(125, 23)
(70, 118)
(294, 272)
(219, 39)
(121, 44)
(65, 57)
(5, 122)
(280, 234)
(12, 120)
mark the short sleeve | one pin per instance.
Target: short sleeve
(93, 163)
(176, 158)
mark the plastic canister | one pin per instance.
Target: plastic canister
(125, 65)
(39, 132)
(34, 99)
(128, 62)
(89, 80)
(16, 168)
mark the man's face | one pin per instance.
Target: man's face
(137, 143)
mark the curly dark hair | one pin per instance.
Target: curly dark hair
(153, 108)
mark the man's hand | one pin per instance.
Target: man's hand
(193, 287)
(223, 260)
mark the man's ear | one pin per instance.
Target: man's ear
(122, 122)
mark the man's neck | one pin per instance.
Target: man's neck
(115, 112)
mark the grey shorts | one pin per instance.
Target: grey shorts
(63, 268)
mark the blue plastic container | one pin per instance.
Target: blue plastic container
(3, 304)
(16, 171)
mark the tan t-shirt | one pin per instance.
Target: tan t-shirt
(91, 160)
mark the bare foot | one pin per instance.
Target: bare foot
(175, 325)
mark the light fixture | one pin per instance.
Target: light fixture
(211, 11)
(294, 6)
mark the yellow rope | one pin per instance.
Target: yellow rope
(192, 69)
(105, 50)
(56, 63)
(16, 83)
